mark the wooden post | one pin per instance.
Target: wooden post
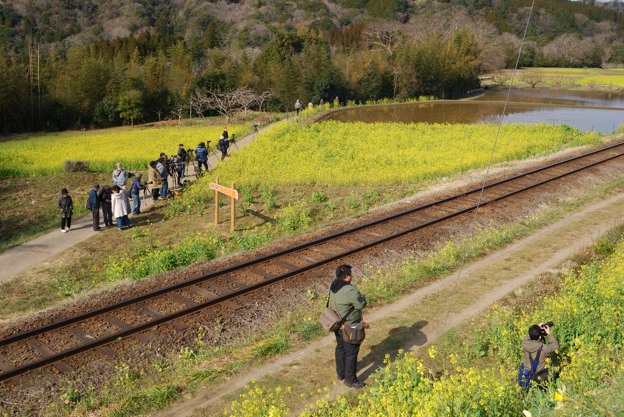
(233, 221)
(217, 203)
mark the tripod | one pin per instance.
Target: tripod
(233, 141)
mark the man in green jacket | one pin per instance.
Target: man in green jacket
(344, 297)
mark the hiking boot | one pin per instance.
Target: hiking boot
(63, 230)
(355, 384)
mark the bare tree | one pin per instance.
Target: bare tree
(200, 101)
(178, 110)
(383, 40)
(224, 103)
(262, 98)
(245, 97)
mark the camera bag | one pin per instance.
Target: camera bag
(353, 333)
(526, 375)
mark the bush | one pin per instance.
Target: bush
(76, 166)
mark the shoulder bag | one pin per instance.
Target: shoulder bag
(330, 320)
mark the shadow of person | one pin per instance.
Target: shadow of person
(405, 338)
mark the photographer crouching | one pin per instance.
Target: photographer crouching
(536, 347)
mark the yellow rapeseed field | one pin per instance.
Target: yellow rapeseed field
(335, 153)
(45, 154)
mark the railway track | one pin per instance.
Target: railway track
(227, 288)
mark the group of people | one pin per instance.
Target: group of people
(299, 104)
(114, 201)
(348, 303)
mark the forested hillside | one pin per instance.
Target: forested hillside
(95, 63)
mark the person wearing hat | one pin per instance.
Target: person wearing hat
(66, 207)
(94, 203)
(201, 156)
(135, 190)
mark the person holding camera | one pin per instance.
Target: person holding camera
(537, 345)
(348, 303)
(135, 192)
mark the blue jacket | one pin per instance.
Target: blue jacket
(136, 186)
(201, 153)
(93, 199)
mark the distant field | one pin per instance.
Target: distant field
(45, 154)
(570, 77)
(338, 154)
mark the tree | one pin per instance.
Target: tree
(130, 106)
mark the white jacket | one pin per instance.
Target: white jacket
(119, 204)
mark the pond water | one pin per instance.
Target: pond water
(586, 110)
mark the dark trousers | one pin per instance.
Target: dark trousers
(200, 163)
(95, 212)
(65, 221)
(107, 212)
(346, 359)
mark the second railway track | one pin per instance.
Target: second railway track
(230, 288)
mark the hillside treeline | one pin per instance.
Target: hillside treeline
(62, 70)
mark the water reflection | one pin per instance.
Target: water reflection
(585, 110)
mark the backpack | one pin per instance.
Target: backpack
(526, 375)
(219, 146)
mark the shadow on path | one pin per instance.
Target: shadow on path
(406, 338)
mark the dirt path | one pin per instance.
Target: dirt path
(41, 250)
(421, 317)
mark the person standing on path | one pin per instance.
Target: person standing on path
(94, 202)
(120, 207)
(153, 179)
(201, 156)
(66, 208)
(343, 296)
(298, 106)
(135, 192)
(223, 146)
(161, 167)
(107, 210)
(181, 162)
(120, 176)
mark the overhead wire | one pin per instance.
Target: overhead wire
(487, 174)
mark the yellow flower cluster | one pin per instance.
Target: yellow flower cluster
(259, 402)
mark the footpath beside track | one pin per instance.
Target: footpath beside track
(229, 288)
